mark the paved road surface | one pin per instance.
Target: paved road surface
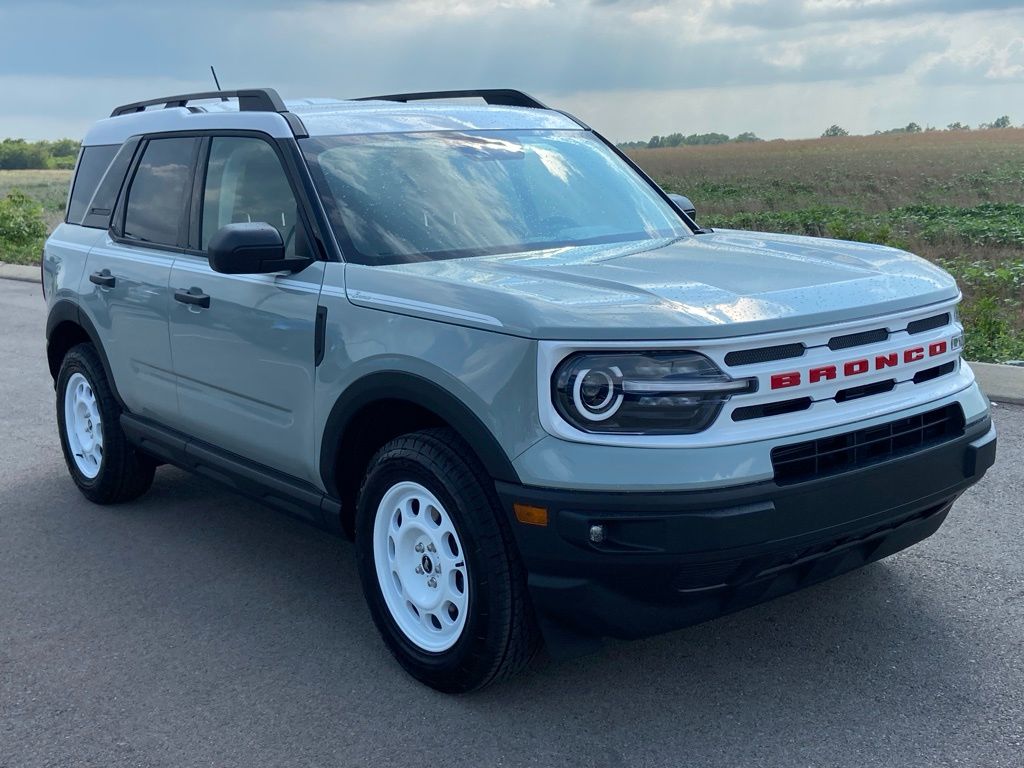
(194, 627)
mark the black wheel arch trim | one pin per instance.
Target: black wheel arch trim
(67, 311)
(400, 385)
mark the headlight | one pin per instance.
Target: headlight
(642, 393)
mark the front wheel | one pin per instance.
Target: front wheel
(441, 577)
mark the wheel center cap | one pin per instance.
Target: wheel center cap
(427, 564)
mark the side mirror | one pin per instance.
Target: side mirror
(683, 203)
(249, 249)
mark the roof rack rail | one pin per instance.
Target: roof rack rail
(251, 100)
(504, 97)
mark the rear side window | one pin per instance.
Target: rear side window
(156, 198)
(92, 164)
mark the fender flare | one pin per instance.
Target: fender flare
(399, 385)
(67, 311)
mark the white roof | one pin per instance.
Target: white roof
(329, 117)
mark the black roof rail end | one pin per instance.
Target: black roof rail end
(249, 100)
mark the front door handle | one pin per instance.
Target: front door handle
(193, 296)
(104, 278)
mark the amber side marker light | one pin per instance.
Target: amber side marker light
(530, 515)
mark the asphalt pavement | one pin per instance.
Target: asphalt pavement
(197, 628)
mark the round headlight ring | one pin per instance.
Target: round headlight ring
(608, 384)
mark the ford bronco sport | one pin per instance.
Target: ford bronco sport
(477, 339)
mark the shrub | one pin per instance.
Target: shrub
(21, 220)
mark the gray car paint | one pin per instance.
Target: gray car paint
(131, 318)
(493, 375)
(717, 285)
(244, 366)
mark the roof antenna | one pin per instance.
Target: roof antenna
(216, 81)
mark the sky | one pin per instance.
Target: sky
(631, 69)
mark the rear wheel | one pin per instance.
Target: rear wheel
(441, 577)
(104, 466)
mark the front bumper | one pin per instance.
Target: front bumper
(671, 559)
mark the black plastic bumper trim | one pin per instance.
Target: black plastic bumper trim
(669, 559)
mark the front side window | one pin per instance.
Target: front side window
(156, 199)
(396, 198)
(245, 182)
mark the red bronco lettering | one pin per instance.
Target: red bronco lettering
(857, 367)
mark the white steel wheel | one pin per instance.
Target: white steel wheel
(421, 567)
(83, 427)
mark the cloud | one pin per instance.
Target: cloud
(83, 58)
(978, 65)
(792, 14)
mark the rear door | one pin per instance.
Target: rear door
(244, 358)
(125, 288)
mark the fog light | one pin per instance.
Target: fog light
(597, 533)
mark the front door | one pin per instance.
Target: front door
(244, 360)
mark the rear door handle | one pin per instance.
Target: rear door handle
(104, 278)
(193, 296)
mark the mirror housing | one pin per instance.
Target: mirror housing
(250, 249)
(683, 203)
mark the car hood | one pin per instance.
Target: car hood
(724, 283)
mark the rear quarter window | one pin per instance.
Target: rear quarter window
(92, 164)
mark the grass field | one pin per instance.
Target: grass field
(956, 198)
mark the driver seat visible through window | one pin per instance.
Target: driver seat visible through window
(246, 183)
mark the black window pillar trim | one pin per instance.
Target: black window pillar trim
(111, 186)
(117, 221)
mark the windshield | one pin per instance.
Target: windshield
(397, 198)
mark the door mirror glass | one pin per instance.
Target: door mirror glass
(246, 249)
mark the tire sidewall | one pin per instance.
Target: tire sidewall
(75, 362)
(464, 657)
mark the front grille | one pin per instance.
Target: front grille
(933, 373)
(863, 447)
(764, 354)
(771, 409)
(928, 323)
(858, 339)
(866, 390)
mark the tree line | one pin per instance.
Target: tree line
(699, 139)
(693, 140)
(18, 154)
(1000, 122)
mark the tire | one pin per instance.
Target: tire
(104, 466)
(427, 509)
